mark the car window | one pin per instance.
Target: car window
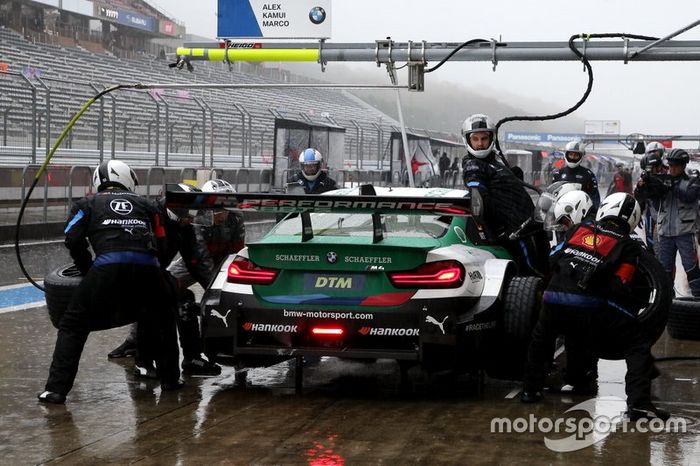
(394, 225)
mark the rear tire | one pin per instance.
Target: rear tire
(522, 301)
(684, 319)
(59, 287)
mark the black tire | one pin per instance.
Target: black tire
(653, 286)
(684, 319)
(522, 301)
(59, 287)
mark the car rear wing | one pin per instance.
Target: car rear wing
(309, 203)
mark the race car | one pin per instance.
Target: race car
(401, 273)
(408, 274)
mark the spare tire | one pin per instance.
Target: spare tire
(684, 319)
(653, 286)
(59, 287)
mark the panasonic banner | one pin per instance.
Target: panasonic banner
(283, 19)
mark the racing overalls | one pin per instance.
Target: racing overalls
(583, 176)
(320, 185)
(124, 282)
(588, 299)
(676, 223)
(507, 206)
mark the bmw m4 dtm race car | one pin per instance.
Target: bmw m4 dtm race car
(401, 273)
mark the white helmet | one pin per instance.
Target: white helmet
(218, 186)
(114, 173)
(574, 147)
(474, 124)
(622, 206)
(655, 146)
(310, 161)
(575, 205)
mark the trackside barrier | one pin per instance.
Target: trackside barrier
(77, 168)
(149, 177)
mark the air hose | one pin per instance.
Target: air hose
(43, 167)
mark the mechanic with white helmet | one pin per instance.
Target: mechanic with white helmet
(677, 220)
(588, 297)
(507, 205)
(124, 282)
(202, 249)
(574, 172)
(652, 163)
(312, 177)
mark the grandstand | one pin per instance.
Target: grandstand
(43, 84)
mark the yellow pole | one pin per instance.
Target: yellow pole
(251, 55)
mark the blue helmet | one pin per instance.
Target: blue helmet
(310, 161)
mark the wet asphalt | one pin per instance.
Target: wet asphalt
(348, 413)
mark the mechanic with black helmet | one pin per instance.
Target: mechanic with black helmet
(123, 283)
(574, 172)
(506, 203)
(312, 177)
(677, 195)
(588, 298)
(652, 163)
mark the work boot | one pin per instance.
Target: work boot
(648, 412)
(145, 370)
(200, 366)
(530, 396)
(125, 350)
(51, 397)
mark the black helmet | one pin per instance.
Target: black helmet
(644, 162)
(677, 156)
(654, 158)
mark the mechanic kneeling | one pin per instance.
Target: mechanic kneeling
(588, 297)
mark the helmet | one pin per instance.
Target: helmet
(654, 146)
(574, 147)
(677, 156)
(310, 160)
(575, 205)
(644, 162)
(622, 206)
(218, 186)
(475, 124)
(114, 173)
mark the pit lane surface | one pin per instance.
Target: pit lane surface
(350, 412)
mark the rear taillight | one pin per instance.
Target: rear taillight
(242, 270)
(441, 274)
(327, 331)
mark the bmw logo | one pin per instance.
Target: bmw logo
(317, 15)
(332, 257)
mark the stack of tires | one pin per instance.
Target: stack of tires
(684, 319)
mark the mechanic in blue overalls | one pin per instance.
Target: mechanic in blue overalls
(123, 283)
(506, 203)
(574, 172)
(589, 297)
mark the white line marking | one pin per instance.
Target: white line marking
(19, 285)
(37, 243)
(21, 307)
(512, 394)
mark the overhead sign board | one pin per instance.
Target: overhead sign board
(601, 127)
(282, 19)
(536, 138)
